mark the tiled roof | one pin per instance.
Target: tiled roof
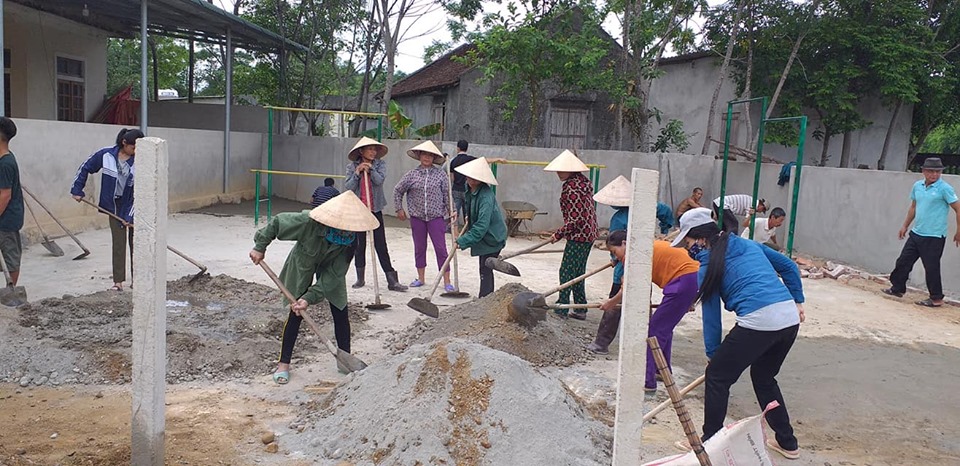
(442, 73)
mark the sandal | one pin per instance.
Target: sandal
(449, 288)
(928, 303)
(788, 454)
(578, 315)
(281, 377)
(116, 288)
(889, 291)
(416, 283)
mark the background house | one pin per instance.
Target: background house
(685, 90)
(446, 91)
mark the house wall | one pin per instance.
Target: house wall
(49, 152)
(244, 118)
(35, 39)
(826, 226)
(685, 91)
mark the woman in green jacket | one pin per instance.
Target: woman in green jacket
(324, 248)
(487, 232)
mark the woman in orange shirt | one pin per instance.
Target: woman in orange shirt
(674, 272)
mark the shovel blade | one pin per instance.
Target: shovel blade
(424, 307)
(522, 312)
(13, 296)
(455, 294)
(53, 247)
(85, 253)
(198, 275)
(350, 362)
(502, 266)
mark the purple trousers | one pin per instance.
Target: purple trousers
(678, 296)
(437, 229)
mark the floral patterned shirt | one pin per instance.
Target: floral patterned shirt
(427, 193)
(579, 211)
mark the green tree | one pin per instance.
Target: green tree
(123, 64)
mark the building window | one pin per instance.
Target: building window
(70, 84)
(568, 128)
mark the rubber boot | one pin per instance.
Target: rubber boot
(393, 283)
(360, 282)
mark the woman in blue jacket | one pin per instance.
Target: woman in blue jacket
(746, 276)
(116, 194)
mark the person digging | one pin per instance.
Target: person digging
(366, 173)
(487, 232)
(579, 227)
(325, 238)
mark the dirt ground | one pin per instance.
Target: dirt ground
(871, 380)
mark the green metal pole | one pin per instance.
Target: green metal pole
(493, 168)
(726, 155)
(796, 186)
(256, 204)
(269, 164)
(756, 173)
(380, 128)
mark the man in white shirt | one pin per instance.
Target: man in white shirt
(736, 205)
(766, 228)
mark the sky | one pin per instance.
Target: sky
(432, 26)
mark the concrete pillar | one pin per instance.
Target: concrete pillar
(634, 321)
(149, 303)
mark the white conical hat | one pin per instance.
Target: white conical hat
(479, 170)
(345, 212)
(429, 147)
(617, 193)
(566, 162)
(364, 142)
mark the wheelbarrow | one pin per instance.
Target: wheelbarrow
(517, 212)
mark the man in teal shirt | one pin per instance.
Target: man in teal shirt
(928, 212)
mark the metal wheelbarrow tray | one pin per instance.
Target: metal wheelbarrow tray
(517, 212)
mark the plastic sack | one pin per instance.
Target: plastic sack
(743, 443)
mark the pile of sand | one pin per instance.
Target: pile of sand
(218, 328)
(451, 402)
(554, 342)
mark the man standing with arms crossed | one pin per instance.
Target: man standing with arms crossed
(928, 212)
(11, 201)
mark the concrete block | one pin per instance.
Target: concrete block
(830, 265)
(836, 272)
(804, 273)
(816, 276)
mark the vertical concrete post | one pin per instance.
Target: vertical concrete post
(634, 322)
(149, 303)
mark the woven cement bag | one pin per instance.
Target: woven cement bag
(742, 443)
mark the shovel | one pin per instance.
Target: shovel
(48, 243)
(528, 308)
(203, 268)
(456, 268)
(423, 305)
(12, 296)
(377, 305)
(500, 264)
(86, 252)
(345, 359)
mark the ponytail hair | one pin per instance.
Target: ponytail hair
(717, 242)
(128, 136)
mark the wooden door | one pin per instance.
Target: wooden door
(568, 128)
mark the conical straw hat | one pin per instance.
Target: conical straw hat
(479, 170)
(429, 147)
(345, 212)
(566, 162)
(364, 142)
(617, 193)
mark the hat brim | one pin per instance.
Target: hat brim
(355, 153)
(681, 236)
(438, 159)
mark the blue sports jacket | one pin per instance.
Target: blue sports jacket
(106, 159)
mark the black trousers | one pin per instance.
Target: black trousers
(486, 275)
(341, 330)
(928, 249)
(379, 242)
(730, 222)
(609, 322)
(764, 353)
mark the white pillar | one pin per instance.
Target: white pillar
(149, 303)
(633, 323)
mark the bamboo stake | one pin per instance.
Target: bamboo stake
(688, 428)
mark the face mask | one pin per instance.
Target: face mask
(694, 250)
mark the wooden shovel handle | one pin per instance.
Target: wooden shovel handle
(55, 219)
(111, 214)
(662, 406)
(527, 250)
(286, 293)
(578, 279)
